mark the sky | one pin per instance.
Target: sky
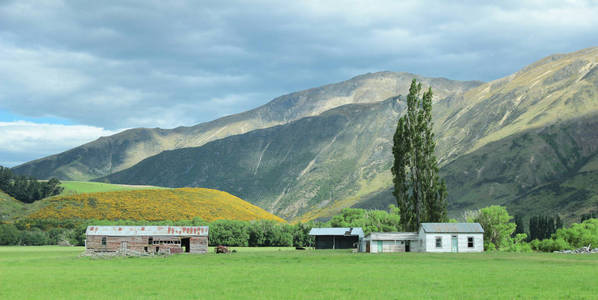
(72, 71)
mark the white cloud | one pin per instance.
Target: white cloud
(23, 141)
(129, 64)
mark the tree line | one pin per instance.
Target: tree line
(262, 233)
(499, 230)
(27, 189)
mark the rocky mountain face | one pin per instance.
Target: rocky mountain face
(526, 141)
(120, 151)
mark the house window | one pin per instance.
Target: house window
(470, 242)
(103, 241)
(438, 242)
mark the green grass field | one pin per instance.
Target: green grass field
(78, 187)
(59, 273)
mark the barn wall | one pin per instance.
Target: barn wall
(160, 244)
(199, 244)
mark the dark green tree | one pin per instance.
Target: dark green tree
(420, 192)
(519, 226)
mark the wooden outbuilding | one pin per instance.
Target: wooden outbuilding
(146, 239)
(381, 242)
(337, 238)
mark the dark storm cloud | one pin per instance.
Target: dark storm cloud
(144, 63)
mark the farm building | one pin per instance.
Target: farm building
(378, 242)
(337, 238)
(146, 239)
(432, 237)
(451, 237)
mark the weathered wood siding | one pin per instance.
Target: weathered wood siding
(199, 244)
(160, 244)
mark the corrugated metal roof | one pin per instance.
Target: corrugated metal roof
(453, 227)
(337, 231)
(392, 236)
(147, 230)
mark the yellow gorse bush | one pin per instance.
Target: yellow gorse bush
(153, 205)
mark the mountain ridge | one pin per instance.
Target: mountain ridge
(122, 150)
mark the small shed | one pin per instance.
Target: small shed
(379, 242)
(338, 237)
(451, 237)
(146, 239)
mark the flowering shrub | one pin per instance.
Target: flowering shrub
(152, 205)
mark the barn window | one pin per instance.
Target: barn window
(103, 241)
(470, 242)
(150, 241)
(438, 242)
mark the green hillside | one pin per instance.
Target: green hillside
(9, 207)
(554, 169)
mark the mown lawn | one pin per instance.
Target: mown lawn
(59, 273)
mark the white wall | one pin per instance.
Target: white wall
(429, 242)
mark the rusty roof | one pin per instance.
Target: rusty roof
(452, 227)
(147, 230)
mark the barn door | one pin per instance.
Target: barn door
(123, 246)
(455, 244)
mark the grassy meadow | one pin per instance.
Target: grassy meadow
(275, 273)
(79, 187)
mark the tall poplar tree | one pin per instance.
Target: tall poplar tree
(420, 193)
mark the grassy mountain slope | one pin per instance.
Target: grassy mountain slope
(151, 205)
(120, 151)
(542, 171)
(315, 166)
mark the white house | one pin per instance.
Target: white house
(451, 237)
(379, 242)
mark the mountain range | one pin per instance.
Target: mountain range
(528, 141)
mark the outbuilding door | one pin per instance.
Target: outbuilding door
(454, 244)
(123, 246)
(380, 246)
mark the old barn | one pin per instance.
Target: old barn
(146, 239)
(337, 238)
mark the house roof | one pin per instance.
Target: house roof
(392, 236)
(452, 228)
(148, 230)
(342, 231)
